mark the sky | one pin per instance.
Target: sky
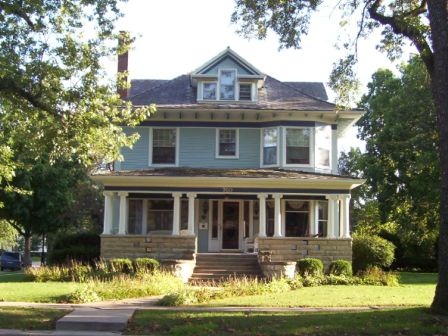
(177, 36)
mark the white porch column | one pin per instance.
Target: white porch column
(123, 213)
(191, 198)
(107, 224)
(262, 214)
(314, 218)
(277, 215)
(176, 213)
(345, 216)
(333, 215)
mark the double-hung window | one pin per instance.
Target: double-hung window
(227, 81)
(323, 146)
(164, 146)
(209, 91)
(298, 146)
(245, 92)
(226, 143)
(270, 146)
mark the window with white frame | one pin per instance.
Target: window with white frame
(297, 146)
(245, 91)
(135, 216)
(227, 81)
(270, 145)
(323, 145)
(322, 218)
(297, 215)
(209, 91)
(160, 215)
(227, 143)
(164, 146)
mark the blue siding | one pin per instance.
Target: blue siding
(198, 146)
(227, 63)
(137, 157)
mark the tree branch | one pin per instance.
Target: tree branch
(15, 10)
(15, 226)
(400, 28)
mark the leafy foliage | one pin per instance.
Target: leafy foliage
(340, 267)
(370, 250)
(79, 247)
(310, 267)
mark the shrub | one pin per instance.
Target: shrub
(340, 267)
(370, 251)
(121, 265)
(310, 267)
(296, 282)
(184, 297)
(376, 276)
(82, 247)
(144, 265)
(84, 294)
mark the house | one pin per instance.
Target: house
(233, 161)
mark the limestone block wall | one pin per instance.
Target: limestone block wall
(160, 247)
(289, 249)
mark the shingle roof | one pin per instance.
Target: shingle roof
(234, 173)
(276, 95)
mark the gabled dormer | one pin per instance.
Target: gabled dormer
(227, 78)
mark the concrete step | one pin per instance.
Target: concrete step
(95, 320)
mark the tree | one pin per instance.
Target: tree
(39, 198)
(400, 163)
(53, 90)
(8, 237)
(422, 22)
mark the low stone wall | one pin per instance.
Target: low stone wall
(289, 249)
(157, 247)
(277, 269)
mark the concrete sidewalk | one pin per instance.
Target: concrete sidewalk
(12, 332)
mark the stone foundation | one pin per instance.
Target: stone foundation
(274, 269)
(157, 247)
(288, 249)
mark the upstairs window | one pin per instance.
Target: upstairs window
(227, 143)
(298, 146)
(323, 145)
(209, 91)
(164, 146)
(227, 79)
(246, 92)
(270, 141)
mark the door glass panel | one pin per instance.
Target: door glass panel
(230, 225)
(215, 220)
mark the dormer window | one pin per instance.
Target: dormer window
(246, 91)
(227, 79)
(209, 91)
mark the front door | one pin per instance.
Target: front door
(230, 225)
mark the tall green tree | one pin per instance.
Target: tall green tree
(422, 22)
(37, 199)
(400, 163)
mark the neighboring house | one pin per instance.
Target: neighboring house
(233, 161)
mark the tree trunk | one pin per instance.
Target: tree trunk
(438, 17)
(27, 251)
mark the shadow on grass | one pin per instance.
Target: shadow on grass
(17, 276)
(410, 321)
(414, 278)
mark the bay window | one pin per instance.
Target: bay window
(323, 145)
(270, 145)
(297, 146)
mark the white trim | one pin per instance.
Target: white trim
(311, 146)
(123, 215)
(252, 98)
(237, 143)
(176, 159)
(262, 147)
(108, 212)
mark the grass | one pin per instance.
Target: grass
(14, 287)
(416, 289)
(30, 318)
(410, 321)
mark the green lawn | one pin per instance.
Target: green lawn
(416, 289)
(410, 321)
(15, 287)
(30, 318)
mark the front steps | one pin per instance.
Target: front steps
(222, 266)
